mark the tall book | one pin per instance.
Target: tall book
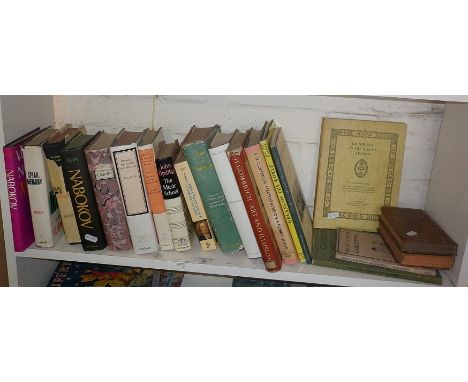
(172, 195)
(203, 230)
(79, 185)
(265, 146)
(107, 193)
(52, 150)
(47, 223)
(269, 197)
(226, 177)
(195, 149)
(292, 191)
(124, 153)
(253, 203)
(359, 171)
(18, 198)
(147, 151)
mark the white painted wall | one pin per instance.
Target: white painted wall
(300, 116)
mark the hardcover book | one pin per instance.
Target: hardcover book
(132, 190)
(107, 193)
(80, 188)
(18, 198)
(292, 191)
(253, 203)
(203, 230)
(172, 194)
(226, 177)
(47, 223)
(359, 172)
(196, 152)
(324, 256)
(147, 152)
(53, 149)
(269, 197)
(265, 146)
(368, 248)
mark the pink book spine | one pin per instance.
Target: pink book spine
(21, 222)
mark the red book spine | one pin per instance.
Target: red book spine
(268, 248)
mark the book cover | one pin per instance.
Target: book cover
(170, 279)
(47, 223)
(140, 222)
(18, 197)
(269, 197)
(240, 282)
(203, 230)
(71, 274)
(52, 150)
(292, 191)
(107, 193)
(368, 248)
(265, 146)
(79, 186)
(324, 256)
(147, 151)
(253, 204)
(359, 171)
(172, 194)
(226, 177)
(219, 215)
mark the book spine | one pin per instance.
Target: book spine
(197, 212)
(213, 197)
(132, 190)
(268, 248)
(174, 204)
(54, 166)
(234, 199)
(155, 197)
(270, 201)
(282, 200)
(108, 199)
(79, 186)
(18, 198)
(291, 204)
(47, 222)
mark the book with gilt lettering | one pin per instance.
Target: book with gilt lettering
(80, 188)
(359, 172)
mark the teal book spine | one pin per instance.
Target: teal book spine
(212, 195)
(290, 201)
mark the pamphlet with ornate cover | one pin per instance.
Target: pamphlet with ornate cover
(359, 172)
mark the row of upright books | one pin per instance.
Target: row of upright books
(135, 190)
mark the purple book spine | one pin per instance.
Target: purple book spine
(18, 198)
(108, 199)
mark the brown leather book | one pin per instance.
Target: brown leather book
(414, 231)
(414, 259)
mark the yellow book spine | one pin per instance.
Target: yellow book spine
(282, 199)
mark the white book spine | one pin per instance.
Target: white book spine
(132, 189)
(231, 191)
(178, 223)
(47, 223)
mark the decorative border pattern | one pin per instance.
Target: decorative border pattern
(335, 133)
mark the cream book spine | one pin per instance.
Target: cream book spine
(236, 205)
(132, 189)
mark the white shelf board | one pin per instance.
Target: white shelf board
(215, 263)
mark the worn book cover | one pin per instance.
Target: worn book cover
(324, 256)
(368, 248)
(359, 171)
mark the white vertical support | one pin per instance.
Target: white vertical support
(447, 200)
(18, 115)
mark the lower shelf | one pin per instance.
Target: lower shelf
(216, 263)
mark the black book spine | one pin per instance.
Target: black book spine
(170, 186)
(78, 183)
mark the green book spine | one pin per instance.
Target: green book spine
(324, 256)
(289, 200)
(212, 195)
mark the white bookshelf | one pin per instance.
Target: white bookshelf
(435, 177)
